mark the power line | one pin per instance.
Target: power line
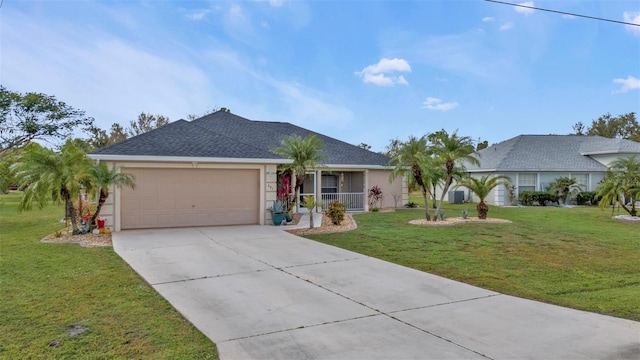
(564, 13)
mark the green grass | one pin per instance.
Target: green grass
(574, 257)
(46, 288)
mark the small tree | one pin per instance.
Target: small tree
(482, 187)
(306, 153)
(565, 187)
(49, 176)
(621, 183)
(375, 196)
(310, 204)
(452, 150)
(101, 178)
(413, 156)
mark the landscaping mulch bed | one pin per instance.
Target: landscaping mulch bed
(327, 226)
(85, 240)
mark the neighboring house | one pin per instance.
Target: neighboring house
(220, 170)
(534, 161)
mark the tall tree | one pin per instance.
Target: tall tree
(99, 138)
(482, 187)
(622, 126)
(145, 123)
(306, 153)
(413, 156)
(102, 179)
(621, 185)
(392, 149)
(47, 175)
(453, 151)
(30, 116)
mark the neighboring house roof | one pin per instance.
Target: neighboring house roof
(551, 153)
(225, 135)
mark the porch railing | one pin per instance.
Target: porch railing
(351, 201)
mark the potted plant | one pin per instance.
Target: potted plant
(285, 197)
(277, 212)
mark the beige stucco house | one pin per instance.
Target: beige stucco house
(220, 169)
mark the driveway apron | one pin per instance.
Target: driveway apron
(261, 293)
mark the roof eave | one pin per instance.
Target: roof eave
(150, 158)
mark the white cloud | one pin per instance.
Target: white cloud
(276, 3)
(630, 83)
(488, 19)
(634, 18)
(437, 104)
(381, 74)
(524, 10)
(567, 16)
(506, 26)
(198, 15)
(265, 24)
(236, 14)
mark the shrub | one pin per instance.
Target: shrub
(411, 205)
(335, 212)
(375, 196)
(587, 198)
(374, 209)
(530, 198)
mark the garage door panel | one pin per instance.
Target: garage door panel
(190, 197)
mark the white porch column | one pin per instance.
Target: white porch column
(319, 190)
(366, 190)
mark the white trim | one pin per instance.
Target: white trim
(151, 158)
(606, 152)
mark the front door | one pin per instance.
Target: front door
(308, 188)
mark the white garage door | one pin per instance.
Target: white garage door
(190, 197)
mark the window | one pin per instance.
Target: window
(527, 182)
(582, 180)
(329, 184)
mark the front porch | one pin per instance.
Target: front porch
(347, 187)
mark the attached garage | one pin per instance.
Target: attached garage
(166, 197)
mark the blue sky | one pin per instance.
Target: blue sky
(360, 71)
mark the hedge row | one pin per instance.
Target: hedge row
(543, 198)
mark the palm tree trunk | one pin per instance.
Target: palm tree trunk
(71, 211)
(483, 209)
(447, 184)
(426, 202)
(101, 200)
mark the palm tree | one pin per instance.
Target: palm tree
(306, 153)
(413, 156)
(482, 187)
(452, 150)
(621, 183)
(46, 175)
(565, 186)
(101, 178)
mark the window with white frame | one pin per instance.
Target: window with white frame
(582, 180)
(527, 182)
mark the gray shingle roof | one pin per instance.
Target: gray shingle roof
(551, 153)
(223, 134)
(182, 139)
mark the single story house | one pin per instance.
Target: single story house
(534, 161)
(220, 169)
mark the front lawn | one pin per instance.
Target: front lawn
(51, 291)
(574, 257)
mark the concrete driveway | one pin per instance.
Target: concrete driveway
(259, 292)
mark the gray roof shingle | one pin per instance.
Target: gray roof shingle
(226, 135)
(551, 153)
